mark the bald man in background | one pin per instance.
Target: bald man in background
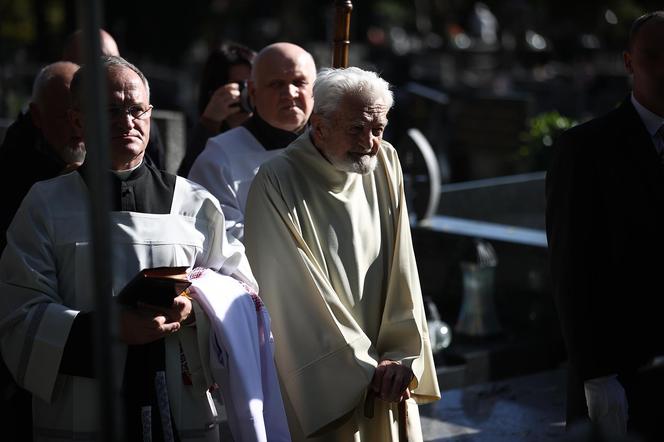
(280, 90)
(73, 48)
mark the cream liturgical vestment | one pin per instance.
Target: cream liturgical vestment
(226, 168)
(332, 254)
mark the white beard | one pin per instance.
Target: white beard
(73, 154)
(365, 165)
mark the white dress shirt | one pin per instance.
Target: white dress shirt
(653, 123)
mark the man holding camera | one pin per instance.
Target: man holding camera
(280, 91)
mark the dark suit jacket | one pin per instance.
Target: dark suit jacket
(605, 227)
(27, 158)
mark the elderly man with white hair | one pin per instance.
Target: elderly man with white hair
(328, 238)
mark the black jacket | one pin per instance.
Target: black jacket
(605, 227)
(26, 158)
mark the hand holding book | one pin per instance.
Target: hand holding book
(156, 286)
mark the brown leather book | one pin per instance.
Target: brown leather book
(155, 286)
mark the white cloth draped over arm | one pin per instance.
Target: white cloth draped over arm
(241, 358)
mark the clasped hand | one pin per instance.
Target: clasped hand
(147, 323)
(390, 381)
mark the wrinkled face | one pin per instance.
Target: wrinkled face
(129, 135)
(351, 137)
(50, 115)
(645, 61)
(281, 90)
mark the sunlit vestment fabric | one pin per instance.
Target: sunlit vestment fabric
(333, 255)
(226, 168)
(45, 281)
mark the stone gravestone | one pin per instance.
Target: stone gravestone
(507, 214)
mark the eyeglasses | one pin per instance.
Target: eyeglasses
(136, 112)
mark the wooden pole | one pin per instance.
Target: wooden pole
(343, 9)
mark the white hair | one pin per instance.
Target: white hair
(332, 84)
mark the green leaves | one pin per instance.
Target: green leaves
(539, 136)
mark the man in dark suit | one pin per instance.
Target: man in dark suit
(605, 226)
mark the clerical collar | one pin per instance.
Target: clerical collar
(120, 175)
(144, 190)
(269, 136)
(124, 174)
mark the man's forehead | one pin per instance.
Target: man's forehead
(281, 65)
(121, 73)
(125, 79)
(362, 107)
